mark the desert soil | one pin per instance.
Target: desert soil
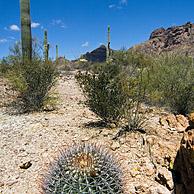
(38, 137)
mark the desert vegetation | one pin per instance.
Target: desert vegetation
(122, 90)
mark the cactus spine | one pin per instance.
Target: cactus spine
(26, 36)
(84, 168)
(57, 52)
(108, 46)
(46, 46)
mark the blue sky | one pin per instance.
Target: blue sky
(78, 26)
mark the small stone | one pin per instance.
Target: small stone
(115, 146)
(111, 125)
(182, 120)
(26, 165)
(158, 190)
(2, 184)
(164, 177)
(10, 183)
(85, 138)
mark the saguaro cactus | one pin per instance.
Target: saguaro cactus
(57, 52)
(26, 36)
(108, 45)
(46, 46)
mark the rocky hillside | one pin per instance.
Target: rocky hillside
(97, 55)
(177, 39)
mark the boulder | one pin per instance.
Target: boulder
(184, 165)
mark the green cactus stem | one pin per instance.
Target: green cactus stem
(46, 46)
(26, 36)
(57, 52)
(108, 45)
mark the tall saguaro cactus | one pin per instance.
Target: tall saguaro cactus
(108, 45)
(57, 52)
(46, 46)
(26, 35)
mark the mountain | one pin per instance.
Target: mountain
(176, 39)
(97, 55)
(179, 39)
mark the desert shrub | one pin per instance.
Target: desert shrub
(115, 90)
(171, 82)
(106, 91)
(32, 79)
(135, 65)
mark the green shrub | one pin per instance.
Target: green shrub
(31, 79)
(106, 91)
(115, 90)
(171, 82)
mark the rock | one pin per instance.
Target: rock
(191, 120)
(174, 123)
(149, 169)
(163, 122)
(134, 172)
(10, 183)
(26, 165)
(157, 33)
(175, 38)
(115, 145)
(111, 125)
(183, 120)
(85, 139)
(158, 190)
(184, 165)
(164, 177)
(2, 184)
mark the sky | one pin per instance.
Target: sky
(78, 26)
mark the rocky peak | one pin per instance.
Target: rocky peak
(97, 55)
(170, 39)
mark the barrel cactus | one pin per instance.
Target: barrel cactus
(84, 169)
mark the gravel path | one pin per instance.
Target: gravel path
(37, 138)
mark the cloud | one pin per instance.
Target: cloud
(11, 38)
(123, 2)
(119, 5)
(3, 40)
(86, 44)
(35, 25)
(14, 27)
(58, 22)
(111, 6)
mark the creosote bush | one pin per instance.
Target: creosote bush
(170, 80)
(115, 90)
(32, 79)
(106, 91)
(84, 168)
